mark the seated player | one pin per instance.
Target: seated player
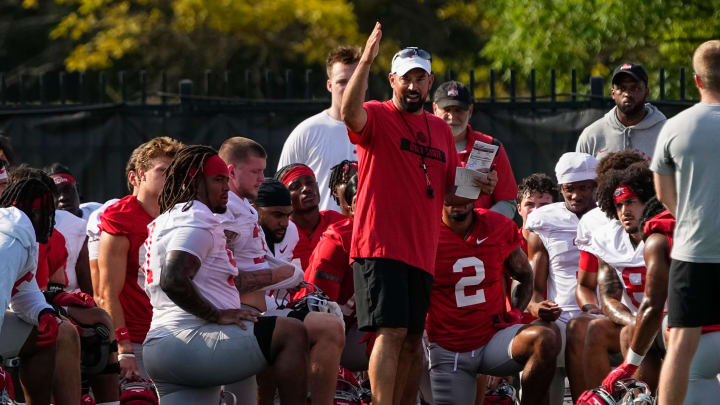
(245, 159)
(32, 335)
(618, 245)
(310, 221)
(586, 292)
(330, 270)
(121, 249)
(658, 226)
(469, 330)
(3, 176)
(197, 317)
(340, 174)
(274, 209)
(554, 256)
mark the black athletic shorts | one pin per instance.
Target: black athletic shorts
(391, 294)
(692, 294)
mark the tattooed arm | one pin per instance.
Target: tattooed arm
(519, 269)
(257, 280)
(611, 290)
(176, 281)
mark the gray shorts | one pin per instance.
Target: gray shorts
(703, 381)
(13, 335)
(453, 375)
(209, 356)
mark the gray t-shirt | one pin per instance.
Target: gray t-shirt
(688, 147)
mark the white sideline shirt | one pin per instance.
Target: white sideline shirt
(320, 142)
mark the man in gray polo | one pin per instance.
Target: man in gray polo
(686, 165)
(633, 124)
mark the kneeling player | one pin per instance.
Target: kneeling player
(621, 271)
(199, 337)
(469, 332)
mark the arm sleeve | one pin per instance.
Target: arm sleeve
(196, 241)
(13, 258)
(331, 260)
(363, 137)
(662, 162)
(290, 282)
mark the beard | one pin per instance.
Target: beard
(412, 106)
(632, 110)
(459, 216)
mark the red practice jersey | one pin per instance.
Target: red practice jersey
(309, 238)
(127, 218)
(51, 258)
(329, 267)
(468, 287)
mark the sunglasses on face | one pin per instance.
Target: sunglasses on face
(412, 51)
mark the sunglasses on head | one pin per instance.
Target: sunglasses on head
(412, 51)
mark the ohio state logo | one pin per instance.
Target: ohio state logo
(452, 92)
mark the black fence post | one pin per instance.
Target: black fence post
(573, 80)
(207, 81)
(226, 83)
(163, 86)
(21, 83)
(185, 88)
(82, 91)
(472, 83)
(596, 91)
(41, 87)
(61, 85)
(307, 84)
(512, 85)
(661, 81)
(3, 89)
(268, 84)
(123, 85)
(492, 85)
(682, 83)
(532, 86)
(288, 84)
(143, 87)
(101, 79)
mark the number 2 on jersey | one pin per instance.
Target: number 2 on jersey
(461, 298)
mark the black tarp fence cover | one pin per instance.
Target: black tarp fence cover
(95, 141)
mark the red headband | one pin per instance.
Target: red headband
(295, 172)
(351, 166)
(62, 178)
(622, 193)
(214, 165)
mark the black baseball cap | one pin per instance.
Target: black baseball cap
(453, 93)
(635, 71)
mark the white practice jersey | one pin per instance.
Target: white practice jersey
(19, 252)
(198, 232)
(284, 249)
(557, 228)
(93, 229)
(246, 238)
(88, 208)
(74, 230)
(591, 221)
(612, 244)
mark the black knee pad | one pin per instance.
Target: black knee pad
(95, 347)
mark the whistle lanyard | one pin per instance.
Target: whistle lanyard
(430, 192)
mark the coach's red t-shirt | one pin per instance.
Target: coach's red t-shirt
(506, 188)
(332, 258)
(52, 257)
(309, 238)
(394, 217)
(127, 218)
(468, 288)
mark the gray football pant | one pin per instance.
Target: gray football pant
(191, 365)
(453, 375)
(703, 385)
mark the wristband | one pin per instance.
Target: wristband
(126, 356)
(633, 358)
(122, 334)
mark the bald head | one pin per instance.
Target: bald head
(706, 63)
(237, 150)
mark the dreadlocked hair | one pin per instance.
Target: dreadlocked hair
(283, 170)
(25, 171)
(183, 176)
(22, 193)
(340, 174)
(637, 176)
(652, 208)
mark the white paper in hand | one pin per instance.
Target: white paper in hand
(481, 156)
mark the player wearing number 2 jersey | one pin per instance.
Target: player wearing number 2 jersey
(618, 245)
(469, 330)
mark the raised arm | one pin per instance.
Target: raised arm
(519, 269)
(351, 110)
(611, 289)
